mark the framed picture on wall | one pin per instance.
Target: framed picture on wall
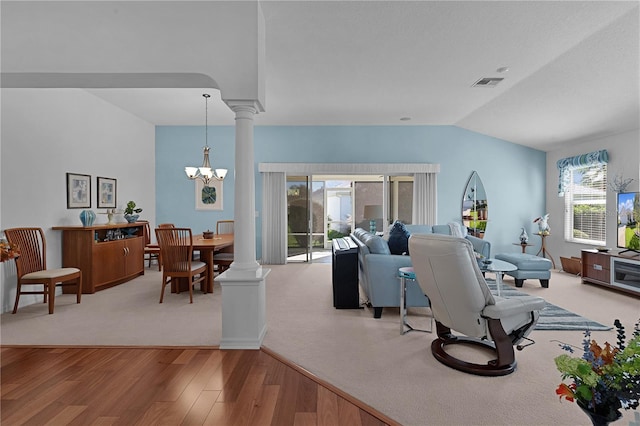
(208, 197)
(78, 191)
(106, 192)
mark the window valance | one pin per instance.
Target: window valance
(566, 165)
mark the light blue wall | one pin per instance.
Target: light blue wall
(514, 176)
(180, 146)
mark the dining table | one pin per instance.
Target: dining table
(207, 248)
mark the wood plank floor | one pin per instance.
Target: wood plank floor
(167, 386)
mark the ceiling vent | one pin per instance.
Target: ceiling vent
(488, 82)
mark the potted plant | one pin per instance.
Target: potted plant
(131, 212)
(603, 380)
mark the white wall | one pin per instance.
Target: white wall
(49, 132)
(624, 157)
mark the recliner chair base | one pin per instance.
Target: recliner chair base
(501, 366)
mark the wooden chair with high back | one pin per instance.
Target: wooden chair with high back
(176, 249)
(169, 225)
(224, 258)
(151, 251)
(31, 267)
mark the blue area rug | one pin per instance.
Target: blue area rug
(552, 317)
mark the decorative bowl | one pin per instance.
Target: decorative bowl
(207, 235)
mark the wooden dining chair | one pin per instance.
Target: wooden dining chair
(224, 258)
(31, 267)
(176, 249)
(151, 251)
(171, 225)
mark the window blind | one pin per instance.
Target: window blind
(586, 204)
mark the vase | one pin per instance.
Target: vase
(87, 217)
(131, 218)
(599, 419)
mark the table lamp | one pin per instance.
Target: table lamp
(372, 212)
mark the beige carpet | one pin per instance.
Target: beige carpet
(128, 314)
(365, 357)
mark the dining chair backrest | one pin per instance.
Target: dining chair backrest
(33, 249)
(176, 248)
(147, 232)
(224, 227)
(166, 225)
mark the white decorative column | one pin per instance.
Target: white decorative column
(243, 284)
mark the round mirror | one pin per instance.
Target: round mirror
(474, 207)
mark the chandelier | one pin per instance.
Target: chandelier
(205, 172)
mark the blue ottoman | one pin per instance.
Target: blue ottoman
(529, 266)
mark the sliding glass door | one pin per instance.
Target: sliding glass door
(321, 208)
(339, 212)
(298, 217)
(305, 218)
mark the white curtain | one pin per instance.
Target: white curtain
(425, 199)
(274, 218)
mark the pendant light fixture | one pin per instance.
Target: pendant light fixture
(204, 172)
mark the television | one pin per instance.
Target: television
(628, 205)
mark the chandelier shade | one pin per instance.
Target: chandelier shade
(205, 172)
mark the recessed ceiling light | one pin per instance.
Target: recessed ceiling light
(405, 118)
(502, 69)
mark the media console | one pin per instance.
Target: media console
(617, 271)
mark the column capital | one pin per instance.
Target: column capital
(238, 106)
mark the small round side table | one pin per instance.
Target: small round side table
(523, 245)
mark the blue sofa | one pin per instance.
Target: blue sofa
(378, 267)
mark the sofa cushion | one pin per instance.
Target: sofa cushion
(442, 229)
(376, 244)
(399, 239)
(418, 229)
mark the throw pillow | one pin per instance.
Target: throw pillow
(399, 239)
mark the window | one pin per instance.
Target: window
(585, 201)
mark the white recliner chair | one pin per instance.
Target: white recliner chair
(448, 273)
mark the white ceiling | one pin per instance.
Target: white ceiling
(573, 69)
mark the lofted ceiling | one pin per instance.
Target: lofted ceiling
(573, 69)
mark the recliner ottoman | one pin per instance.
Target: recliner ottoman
(529, 266)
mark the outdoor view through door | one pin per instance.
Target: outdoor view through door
(321, 208)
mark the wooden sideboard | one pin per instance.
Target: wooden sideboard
(612, 270)
(107, 254)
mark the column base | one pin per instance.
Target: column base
(243, 309)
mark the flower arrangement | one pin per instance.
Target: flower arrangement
(619, 183)
(604, 379)
(8, 251)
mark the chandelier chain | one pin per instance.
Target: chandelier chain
(206, 119)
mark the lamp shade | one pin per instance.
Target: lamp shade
(221, 173)
(373, 212)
